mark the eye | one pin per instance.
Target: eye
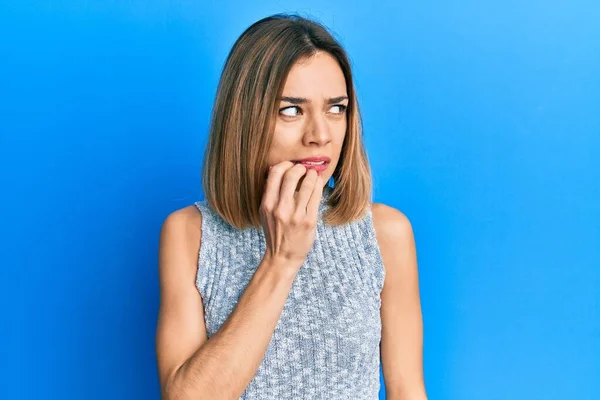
(289, 111)
(294, 111)
(341, 108)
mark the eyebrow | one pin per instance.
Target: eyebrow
(302, 100)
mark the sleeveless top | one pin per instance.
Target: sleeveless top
(326, 344)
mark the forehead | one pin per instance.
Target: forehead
(317, 76)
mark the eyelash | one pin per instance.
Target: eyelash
(342, 107)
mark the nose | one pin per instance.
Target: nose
(317, 131)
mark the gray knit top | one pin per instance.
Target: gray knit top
(326, 342)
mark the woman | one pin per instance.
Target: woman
(278, 285)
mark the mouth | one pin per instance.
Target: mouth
(319, 164)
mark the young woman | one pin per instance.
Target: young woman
(279, 285)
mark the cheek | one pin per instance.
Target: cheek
(340, 129)
(279, 140)
(342, 134)
(339, 136)
(287, 132)
(282, 141)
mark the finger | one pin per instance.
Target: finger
(312, 210)
(306, 189)
(273, 186)
(289, 184)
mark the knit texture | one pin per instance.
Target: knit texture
(326, 342)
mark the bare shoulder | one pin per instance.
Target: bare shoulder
(395, 237)
(390, 223)
(179, 245)
(185, 223)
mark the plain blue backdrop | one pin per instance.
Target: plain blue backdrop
(482, 124)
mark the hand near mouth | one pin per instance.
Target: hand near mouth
(289, 212)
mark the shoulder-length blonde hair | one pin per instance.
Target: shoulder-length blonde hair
(243, 121)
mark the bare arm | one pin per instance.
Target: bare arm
(402, 327)
(190, 366)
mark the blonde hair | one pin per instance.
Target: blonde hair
(243, 121)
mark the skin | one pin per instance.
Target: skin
(313, 127)
(401, 320)
(316, 127)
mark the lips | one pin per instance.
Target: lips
(319, 163)
(315, 160)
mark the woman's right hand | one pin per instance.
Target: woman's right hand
(289, 218)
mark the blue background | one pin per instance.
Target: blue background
(482, 123)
